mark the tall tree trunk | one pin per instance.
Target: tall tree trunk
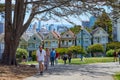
(9, 55)
(11, 38)
(14, 28)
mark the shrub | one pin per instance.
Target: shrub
(96, 48)
(110, 53)
(20, 52)
(61, 51)
(34, 55)
(77, 49)
(113, 45)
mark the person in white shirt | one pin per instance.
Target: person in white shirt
(40, 55)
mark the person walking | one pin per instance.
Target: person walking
(56, 58)
(47, 58)
(23, 58)
(65, 58)
(119, 56)
(69, 57)
(115, 56)
(40, 55)
(81, 57)
(52, 56)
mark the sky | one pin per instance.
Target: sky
(2, 1)
(75, 20)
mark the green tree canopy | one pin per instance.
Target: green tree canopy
(77, 49)
(61, 51)
(96, 48)
(76, 29)
(113, 45)
(105, 22)
(109, 53)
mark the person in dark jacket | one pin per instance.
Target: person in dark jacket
(115, 56)
(119, 56)
(69, 57)
(65, 58)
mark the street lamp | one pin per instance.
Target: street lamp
(81, 56)
(82, 36)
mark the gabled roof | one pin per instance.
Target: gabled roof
(25, 36)
(55, 34)
(99, 29)
(38, 35)
(70, 33)
(95, 30)
(84, 31)
(87, 32)
(41, 35)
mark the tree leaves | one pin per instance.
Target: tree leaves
(96, 48)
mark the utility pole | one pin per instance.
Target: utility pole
(82, 36)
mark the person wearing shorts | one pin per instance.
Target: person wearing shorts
(40, 55)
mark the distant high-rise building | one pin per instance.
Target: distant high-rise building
(89, 23)
(51, 27)
(118, 30)
(38, 26)
(115, 16)
(86, 23)
(92, 20)
(1, 27)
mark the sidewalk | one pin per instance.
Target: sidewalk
(97, 71)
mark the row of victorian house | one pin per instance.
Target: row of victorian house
(55, 40)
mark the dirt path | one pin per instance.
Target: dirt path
(98, 71)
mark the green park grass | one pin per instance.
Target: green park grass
(29, 62)
(117, 76)
(77, 61)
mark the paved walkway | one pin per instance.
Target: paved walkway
(97, 71)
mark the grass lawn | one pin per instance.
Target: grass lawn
(85, 60)
(89, 60)
(117, 76)
(29, 62)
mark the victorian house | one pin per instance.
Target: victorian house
(99, 36)
(52, 40)
(34, 42)
(83, 38)
(23, 43)
(67, 39)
